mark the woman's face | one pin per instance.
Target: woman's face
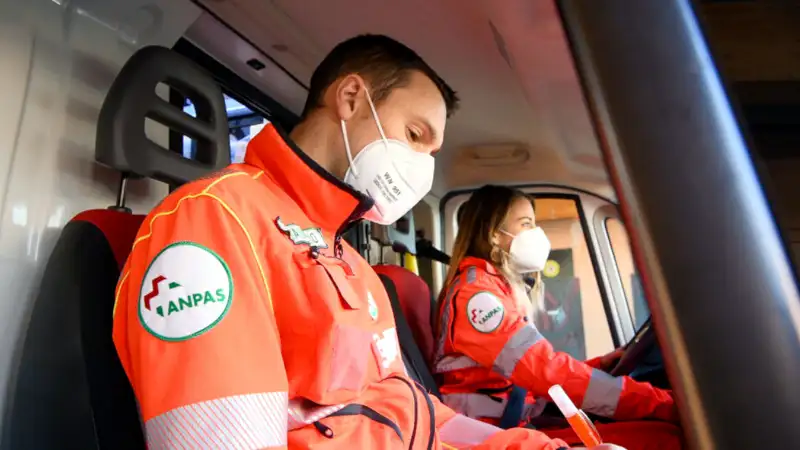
(519, 217)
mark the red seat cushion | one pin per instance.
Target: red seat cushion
(118, 227)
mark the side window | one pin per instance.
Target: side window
(243, 124)
(574, 319)
(621, 248)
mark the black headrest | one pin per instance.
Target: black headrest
(121, 141)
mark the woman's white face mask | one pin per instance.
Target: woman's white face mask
(393, 175)
(529, 250)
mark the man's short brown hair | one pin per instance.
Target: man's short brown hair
(382, 61)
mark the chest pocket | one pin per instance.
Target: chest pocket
(355, 339)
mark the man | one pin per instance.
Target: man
(242, 319)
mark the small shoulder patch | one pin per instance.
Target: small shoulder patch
(186, 291)
(485, 312)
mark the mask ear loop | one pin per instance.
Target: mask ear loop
(375, 115)
(347, 141)
(512, 236)
(347, 149)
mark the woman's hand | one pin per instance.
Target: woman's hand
(608, 361)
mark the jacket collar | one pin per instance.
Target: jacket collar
(471, 261)
(327, 201)
(487, 267)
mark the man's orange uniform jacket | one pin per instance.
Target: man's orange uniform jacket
(244, 322)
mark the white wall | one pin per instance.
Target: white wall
(57, 61)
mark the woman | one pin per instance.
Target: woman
(492, 362)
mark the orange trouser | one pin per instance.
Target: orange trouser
(635, 435)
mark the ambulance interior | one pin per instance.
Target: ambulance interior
(524, 121)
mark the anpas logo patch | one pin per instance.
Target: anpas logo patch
(485, 312)
(186, 291)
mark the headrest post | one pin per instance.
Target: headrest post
(120, 205)
(123, 184)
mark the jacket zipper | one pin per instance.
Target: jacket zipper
(324, 429)
(358, 211)
(355, 409)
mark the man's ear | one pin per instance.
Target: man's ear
(346, 96)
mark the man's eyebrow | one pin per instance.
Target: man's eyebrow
(430, 129)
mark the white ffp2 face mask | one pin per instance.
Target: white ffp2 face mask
(529, 250)
(393, 175)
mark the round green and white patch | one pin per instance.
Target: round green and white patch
(186, 291)
(485, 312)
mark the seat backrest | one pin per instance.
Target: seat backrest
(62, 398)
(412, 305)
(71, 389)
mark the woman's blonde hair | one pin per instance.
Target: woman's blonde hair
(479, 220)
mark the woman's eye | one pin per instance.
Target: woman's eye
(413, 135)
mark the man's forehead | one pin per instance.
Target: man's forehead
(421, 100)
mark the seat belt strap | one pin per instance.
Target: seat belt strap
(408, 345)
(512, 415)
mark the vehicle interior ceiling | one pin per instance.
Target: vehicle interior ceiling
(523, 120)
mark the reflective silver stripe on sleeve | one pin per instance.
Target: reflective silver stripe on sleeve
(482, 405)
(251, 421)
(475, 405)
(602, 395)
(445, 320)
(472, 274)
(463, 431)
(450, 363)
(515, 349)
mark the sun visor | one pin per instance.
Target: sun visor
(121, 141)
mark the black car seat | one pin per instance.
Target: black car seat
(71, 390)
(412, 306)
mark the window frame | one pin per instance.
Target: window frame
(616, 285)
(588, 204)
(237, 88)
(630, 302)
(234, 87)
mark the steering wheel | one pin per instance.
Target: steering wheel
(637, 349)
